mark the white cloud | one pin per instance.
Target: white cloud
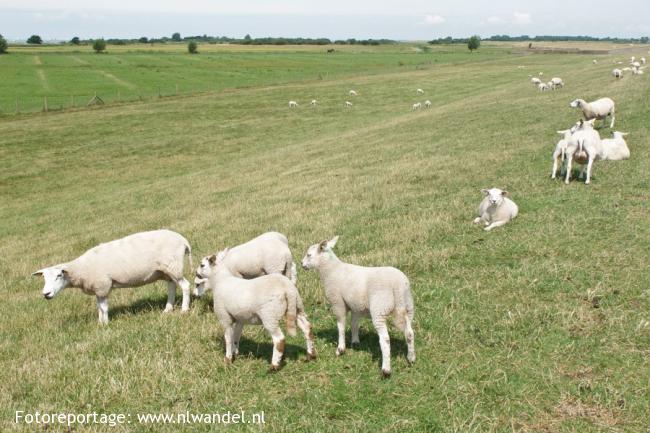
(433, 20)
(494, 20)
(521, 18)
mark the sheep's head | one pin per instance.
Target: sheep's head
(576, 103)
(206, 267)
(319, 252)
(494, 195)
(56, 279)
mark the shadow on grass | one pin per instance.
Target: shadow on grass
(368, 342)
(255, 349)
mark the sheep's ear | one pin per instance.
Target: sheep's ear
(322, 245)
(504, 193)
(485, 191)
(212, 259)
(38, 273)
(332, 242)
(64, 272)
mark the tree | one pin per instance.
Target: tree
(99, 45)
(75, 40)
(35, 39)
(191, 47)
(176, 37)
(473, 43)
(143, 40)
(3, 45)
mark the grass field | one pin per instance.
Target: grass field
(538, 326)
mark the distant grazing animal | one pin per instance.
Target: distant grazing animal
(419, 92)
(313, 102)
(617, 73)
(427, 104)
(598, 109)
(353, 93)
(348, 104)
(330, 50)
(293, 104)
(416, 106)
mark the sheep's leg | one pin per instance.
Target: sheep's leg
(185, 287)
(556, 162)
(236, 336)
(278, 346)
(494, 225)
(340, 314)
(409, 335)
(589, 166)
(228, 337)
(305, 327)
(355, 327)
(171, 296)
(102, 309)
(568, 169)
(384, 343)
(611, 125)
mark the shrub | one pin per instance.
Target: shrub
(176, 37)
(99, 45)
(3, 45)
(75, 40)
(473, 43)
(191, 47)
(34, 39)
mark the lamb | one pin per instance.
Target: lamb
(535, 81)
(643, 60)
(268, 253)
(293, 104)
(615, 149)
(583, 146)
(348, 104)
(313, 102)
(378, 291)
(495, 209)
(559, 154)
(595, 61)
(598, 109)
(542, 87)
(264, 300)
(635, 64)
(557, 82)
(417, 106)
(419, 92)
(131, 261)
(617, 73)
(427, 104)
(637, 71)
(352, 93)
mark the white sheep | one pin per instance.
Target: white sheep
(594, 61)
(615, 149)
(352, 93)
(635, 64)
(293, 104)
(535, 81)
(419, 92)
(540, 74)
(557, 82)
(495, 209)
(348, 104)
(598, 109)
(427, 104)
(131, 261)
(543, 87)
(643, 60)
(416, 106)
(637, 71)
(559, 154)
(378, 291)
(264, 300)
(268, 253)
(313, 102)
(617, 73)
(584, 146)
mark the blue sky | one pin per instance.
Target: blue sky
(403, 20)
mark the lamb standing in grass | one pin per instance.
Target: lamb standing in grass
(348, 104)
(427, 104)
(416, 106)
(617, 73)
(293, 104)
(535, 81)
(557, 82)
(419, 92)
(132, 261)
(559, 154)
(353, 93)
(615, 149)
(313, 102)
(584, 146)
(264, 300)
(543, 87)
(496, 209)
(598, 109)
(380, 291)
(268, 253)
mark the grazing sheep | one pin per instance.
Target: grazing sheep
(293, 104)
(598, 109)
(268, 253)
(559, 154)
(635, 64)
(379, 291)
(584, 146)
(637, 71)
(543, 87)
(348, 104)
(427, 104)
(264, 300)
(632, 59)
(617, 73)
(313, 102)
(557, 82)
(417, 106)
(595, 61)
(352, 93)
(495, 209)
(419, 92)
(541, 73)
(535, 81)
(131, 261)
(615, 149)
(643, 60)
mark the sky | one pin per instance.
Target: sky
(334, 19)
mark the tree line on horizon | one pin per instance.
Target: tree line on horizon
(542, 38)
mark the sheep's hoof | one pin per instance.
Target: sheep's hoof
(410, 359)
(168, 309)
(227, 360)
(311, 356)
(340, 351)
(274, 368)
(185, 310)
(355, 344)
(385, 373)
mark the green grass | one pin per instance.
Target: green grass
(536, 326)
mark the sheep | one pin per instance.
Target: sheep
(635, 64)
(313, 102)
(583, 146)
(131, 261)
(540, 74)
(264, 300)
(268, 253)
(557, 82)
(427, 104)
(419, 92)
(637, 71)
(632, 59)
(378, 291)
(642, 60)
(615, 149)
(417, 106)
(348, 104)
(542, 87)
(559, 154)
(353, 93)
(550, 85)
(598, 109)
(293, 104)
(594, 61)
(535, 81)
(617, 73)
(495, 209)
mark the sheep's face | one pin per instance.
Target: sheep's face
(575, 103)
(56, 279)
(495, 195)
(201, 277)
(317, 253)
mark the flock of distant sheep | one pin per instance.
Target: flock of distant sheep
(255, 282)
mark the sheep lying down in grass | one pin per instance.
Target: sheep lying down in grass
(496, 209)
(264, 300)
(132, 261)
(379, 291)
